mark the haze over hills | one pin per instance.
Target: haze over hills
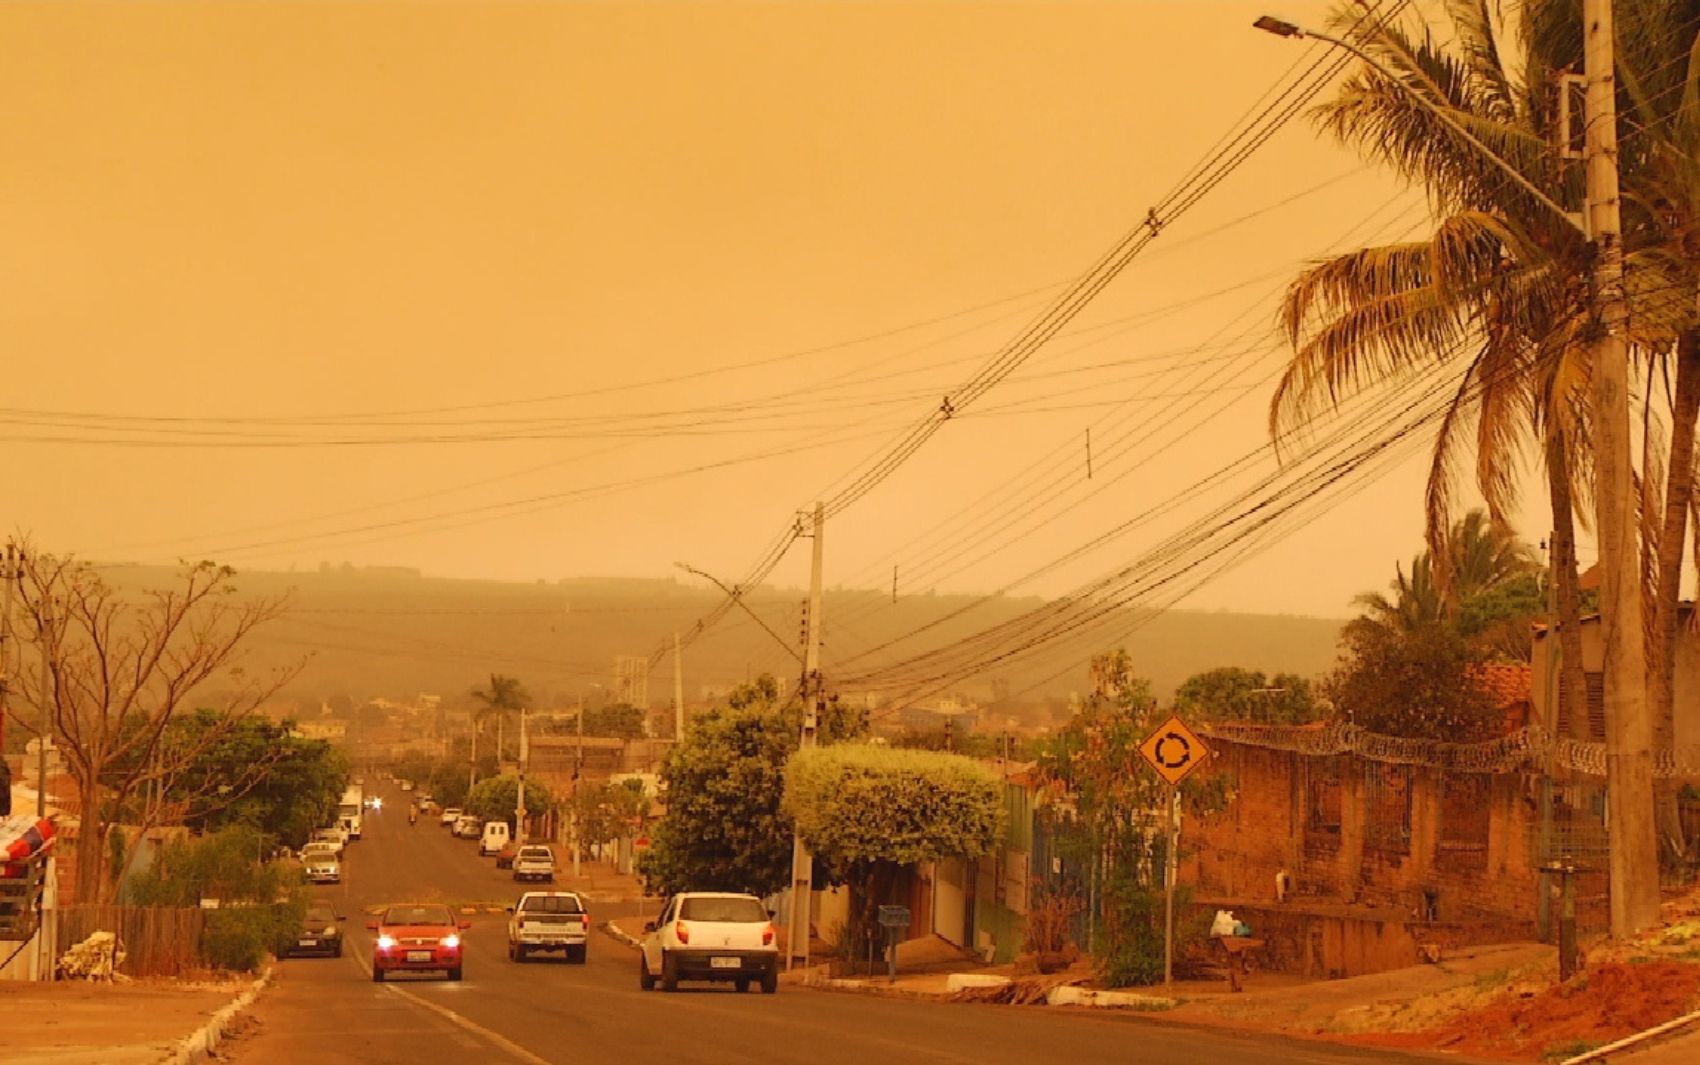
(391, 632)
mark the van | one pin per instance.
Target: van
(495, 834)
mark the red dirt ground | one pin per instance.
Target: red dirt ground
(1609, 1001)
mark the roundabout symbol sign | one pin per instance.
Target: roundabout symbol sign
(1174, 750)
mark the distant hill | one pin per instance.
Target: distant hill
(391, 632)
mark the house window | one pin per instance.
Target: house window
(1387, 800)
(1465, 809)
(1322, 797)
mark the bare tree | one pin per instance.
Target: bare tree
(120, 667)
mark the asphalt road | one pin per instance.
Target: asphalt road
(327, 1011)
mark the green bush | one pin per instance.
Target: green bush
(240, 937)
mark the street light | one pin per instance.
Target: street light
(1283, 28)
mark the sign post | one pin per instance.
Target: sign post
(1174, 751)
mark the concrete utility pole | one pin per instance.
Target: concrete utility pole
(678, 691)
(472, 770)
(578, 769)
(802, 862)
(519, 800)
(1629, 731)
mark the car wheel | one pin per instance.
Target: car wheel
(519, 952)
(336, 952)
(377, 975)
(645, 980)
(577, 954)
(741, 984)
(770, 982)
(669, 972)
(454, 974)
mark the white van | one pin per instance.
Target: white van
(495, 834)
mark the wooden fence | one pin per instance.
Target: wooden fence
(157, 940)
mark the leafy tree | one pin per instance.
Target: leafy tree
(122, 668)
(494, 798)
(1415, 684)
(607, 812)
(1113, 818)
(723, 829)
(256, 774)
(621, 720)
(1233, 694)
(263, 902)
(865, 810)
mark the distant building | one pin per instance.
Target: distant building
(631, 680)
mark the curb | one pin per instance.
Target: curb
(200, 1043)
(615, 932)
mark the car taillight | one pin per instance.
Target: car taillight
(767, 936)
(682, 932)
(584, 919)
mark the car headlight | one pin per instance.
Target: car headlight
(451, 940)
(386, 942)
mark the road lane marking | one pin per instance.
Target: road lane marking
(497, 1038)
(500, 1040)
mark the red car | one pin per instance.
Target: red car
(417, 937)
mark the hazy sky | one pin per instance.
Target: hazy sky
(516, 218)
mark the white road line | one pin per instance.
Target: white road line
(518, 1052)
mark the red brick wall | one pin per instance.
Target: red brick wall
(1279, 818)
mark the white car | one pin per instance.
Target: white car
(321, 863)
(407, 785)
(451, 814)
(533, 862)
(468, 826)
(336, 836)
(548, 920)
(710, 935)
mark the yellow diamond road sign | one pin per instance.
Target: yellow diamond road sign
(1174, 750)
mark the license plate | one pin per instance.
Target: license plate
(308, 943)
(724, 963)
(418, 955)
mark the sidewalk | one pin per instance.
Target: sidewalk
(80, 1023)
(597, 881)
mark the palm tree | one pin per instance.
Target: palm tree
(505, 697)
(1501, 289)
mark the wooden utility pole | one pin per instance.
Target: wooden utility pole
(1629, 735)
(519, 801)
(802, 862)
(8, 574)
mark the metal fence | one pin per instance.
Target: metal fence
(157, 940)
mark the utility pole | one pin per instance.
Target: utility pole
(472, 769)
(678, 691)
(49, 698)
(519, 801)
(802, 862)
(1634, 882)
(1549, 722)
(578, 769)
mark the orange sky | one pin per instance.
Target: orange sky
(256, 211)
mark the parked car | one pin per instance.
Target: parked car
(417, 937)
(322, 864)
(335, 835)
(451, 814)
(710, 935)
(548, 920)
(407, 785)
(491, 837)
(320, 933)
(468, 826)
(505, 856)
(533, 862)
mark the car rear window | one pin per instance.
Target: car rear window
(554, 904)
(535, 852)
(727, 911)
(418, 915)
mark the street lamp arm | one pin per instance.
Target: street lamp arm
(1281, 28)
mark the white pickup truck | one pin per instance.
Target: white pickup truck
(548, 920)
(534, 862)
